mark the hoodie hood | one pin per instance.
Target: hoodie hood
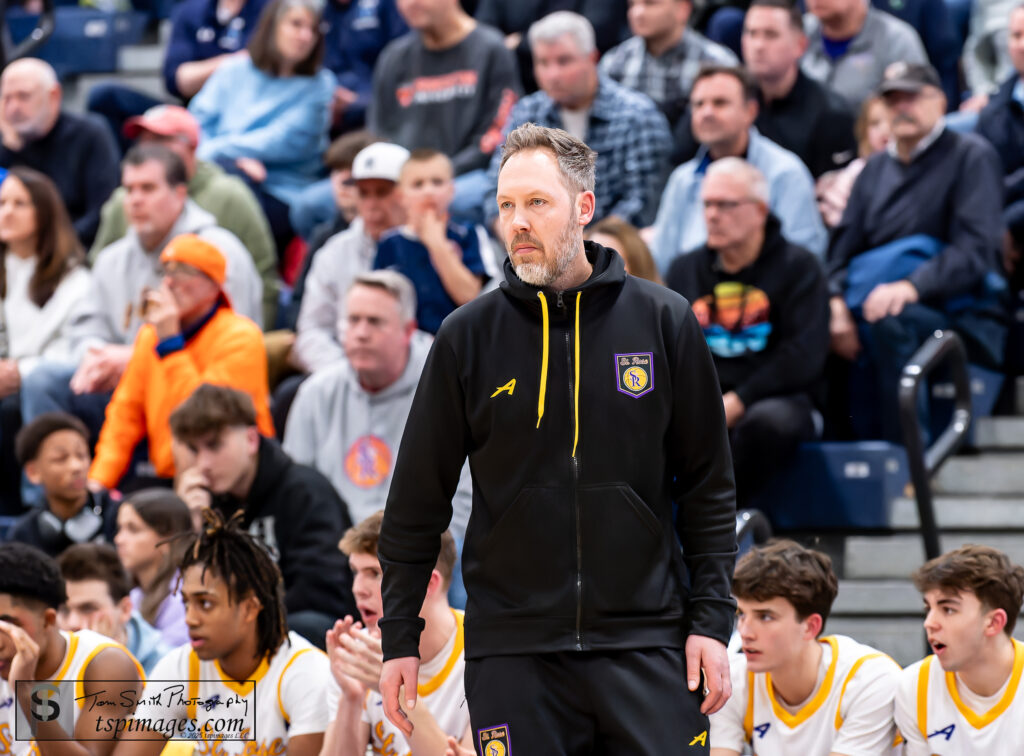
(609, 271)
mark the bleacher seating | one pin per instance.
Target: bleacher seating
(85, 40)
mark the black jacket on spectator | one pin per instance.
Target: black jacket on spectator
(297, 512)
(29, 529)
(952, 191)
(1002, 124)
(812, 122)
(82, 159)
(776, 344)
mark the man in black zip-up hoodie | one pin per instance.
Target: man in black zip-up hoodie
(587, 403)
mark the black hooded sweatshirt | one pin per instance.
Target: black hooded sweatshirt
(299, 514)
(585, 414)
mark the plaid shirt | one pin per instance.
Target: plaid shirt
(631, 139)
(666, 79)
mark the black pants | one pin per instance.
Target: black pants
(765, 438)
(619, 703)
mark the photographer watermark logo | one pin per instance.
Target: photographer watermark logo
(51, 704)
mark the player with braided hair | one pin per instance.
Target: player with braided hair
(240, 648)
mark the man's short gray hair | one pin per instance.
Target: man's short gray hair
(395, 284)
(558, 24)
(757, 185)
(39, 69)
(576, 161)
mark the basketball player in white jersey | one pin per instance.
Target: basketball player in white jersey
(357, 709)
(795, 692)
(32, 649)
(240, 650)
(966, 698)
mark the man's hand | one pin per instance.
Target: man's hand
(26, 655)
(252, 168)
(11, 139)
(342, 100)
(101, 369)
(10, 378)
(351, 688)
(360, 656)
(974, 103)
(710, 655)
(888, 299)
(193, 489)
(734, 408)
(454, 749)
(843, 330)
(395, 675)
(162, 312)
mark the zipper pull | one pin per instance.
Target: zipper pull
(561, 304)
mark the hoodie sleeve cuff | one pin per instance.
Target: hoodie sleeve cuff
(400, 637)
(712, 618)
(169, 346)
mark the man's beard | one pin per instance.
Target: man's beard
(547, 271)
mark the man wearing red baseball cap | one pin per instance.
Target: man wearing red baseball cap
(192, 336)
(225, 197)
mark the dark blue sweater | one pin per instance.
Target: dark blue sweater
(952, 191)
(1002, 124)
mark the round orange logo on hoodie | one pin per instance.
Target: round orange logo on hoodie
(368, 462)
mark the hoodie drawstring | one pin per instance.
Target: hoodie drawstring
(545, 350)
(576, 361)
(544, 356)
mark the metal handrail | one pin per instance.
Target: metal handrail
(36, 39)
(940, 348)
(752, 523)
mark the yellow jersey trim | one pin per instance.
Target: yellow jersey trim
(922, 695)
(69, 654)
(193, 684)
(280, 679)
(748, 718)
(842, 691)
(978, 721)
(812, 706)
(437, 680)
(80, 684)
(241, 688)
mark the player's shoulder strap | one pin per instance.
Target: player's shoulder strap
(748, 718)
(297, 653)
(849, 676)
(923, 678)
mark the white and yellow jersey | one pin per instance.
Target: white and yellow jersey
(937, 714)
(290, 698)
(850, 711)
(81, 648)
(441, 689)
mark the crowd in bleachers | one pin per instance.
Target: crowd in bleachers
(223, 299)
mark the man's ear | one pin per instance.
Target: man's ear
(124, 610)
(995, 622)
(32, 473)
(252, 440)
(813, 626)
(586, 204)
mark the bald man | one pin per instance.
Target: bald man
(77, 152)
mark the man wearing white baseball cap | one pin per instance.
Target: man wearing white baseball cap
(375, 172)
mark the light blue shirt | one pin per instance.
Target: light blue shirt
(680, 227)
(281, 121)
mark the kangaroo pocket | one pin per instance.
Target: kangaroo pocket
(525, 565)
(627, 567)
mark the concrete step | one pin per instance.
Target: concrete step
(897, 556)
(901, 637)
(76, 92)
(135, 59)
(877, 597)
(963, 513)
(982, 475)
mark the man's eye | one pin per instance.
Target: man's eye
(537, 201)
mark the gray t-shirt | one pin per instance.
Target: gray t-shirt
(455, 100)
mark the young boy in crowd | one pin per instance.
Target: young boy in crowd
(444, 260)
(234, 609)
(54, 451)
(97, 589)
(33, 649)
(356, 706)
(794, 692)
(964, 699)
